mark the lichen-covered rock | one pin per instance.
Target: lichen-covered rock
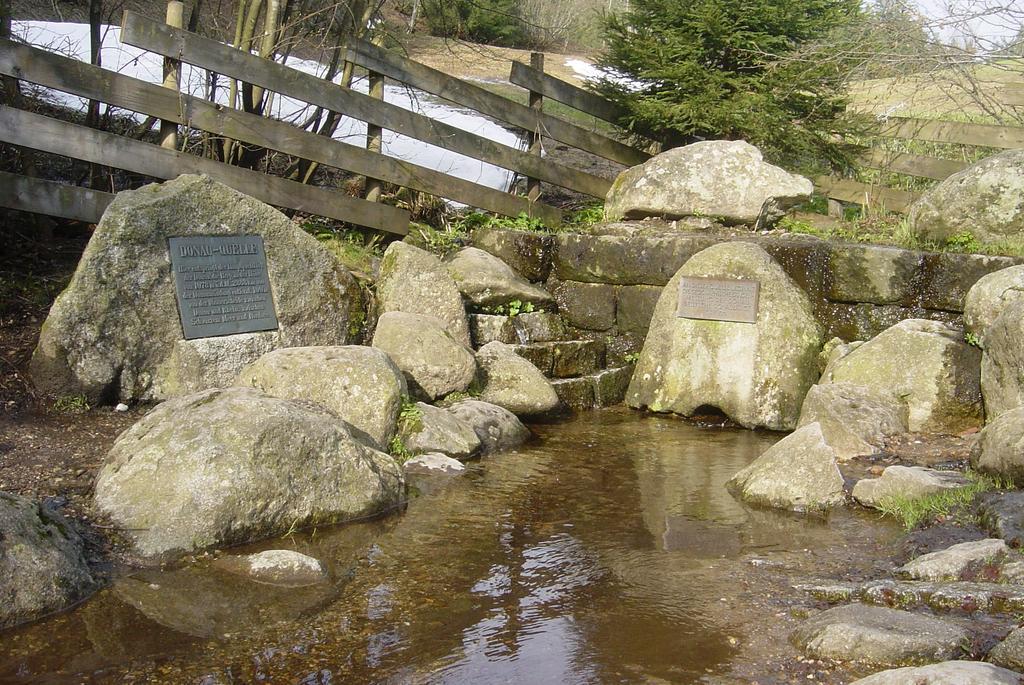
(112, 333)
(433, 361)
(509, 381)
(1000, 448)
(955, 562)
(234, 465)
(878, 635)
(987, 199)
(758, 374)
(924, 363)
(358, 383)
(528, 252)
(1002, 363)
(854, 420)
(728, 181)
(799, 473)
(42, 566)
(497, 427)
(906, 482)
(439, 430)
(487, 328)
(276, 566)
(945, 673)
(414, 281)
(486, 281)
(1010, 652)
(988, 297)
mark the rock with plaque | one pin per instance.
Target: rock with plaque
(222, 285)
(718, 299)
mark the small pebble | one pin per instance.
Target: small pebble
(121, 407)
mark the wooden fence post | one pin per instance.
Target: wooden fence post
(534, 137)
(374, 136)
(172, 74)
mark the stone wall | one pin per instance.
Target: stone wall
(607, 283)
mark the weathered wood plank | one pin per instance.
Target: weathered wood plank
(85, 80)
(861, 193)
(913, 165)
(495, 106)
(223, 59)
(70, 140)
(987, 135)
(51, 198)
(550, 87)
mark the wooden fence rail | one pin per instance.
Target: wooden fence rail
(920, 166)
(174, 108)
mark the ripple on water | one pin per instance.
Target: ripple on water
(607, 550)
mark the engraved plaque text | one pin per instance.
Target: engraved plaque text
(719, 299)
(222, 285)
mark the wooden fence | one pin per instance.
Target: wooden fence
(174, 108)
(878, 195)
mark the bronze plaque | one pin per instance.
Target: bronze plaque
(222, 285)
(719, 299)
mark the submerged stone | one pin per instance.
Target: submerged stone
(42, 564)
(956, 562)
(946, 673)
(878, 635)
(276, 566)
(799, 473)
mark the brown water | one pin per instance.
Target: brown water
(607, 551)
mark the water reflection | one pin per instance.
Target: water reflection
(606, 551)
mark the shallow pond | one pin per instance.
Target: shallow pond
(605, 551)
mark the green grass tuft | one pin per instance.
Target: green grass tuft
(912, 512)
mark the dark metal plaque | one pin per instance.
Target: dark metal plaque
(222, 285)
(719, 299)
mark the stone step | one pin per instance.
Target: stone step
(521, 329)
(565, 359)
(601, 389)
(990, 598)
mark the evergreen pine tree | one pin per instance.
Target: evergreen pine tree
(732, 69)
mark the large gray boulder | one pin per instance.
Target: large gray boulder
(358, 383)
(946, 673)
(988, 297)
(878, 635)
(115, 335)
(987, 199)
(906, 482)
(854, 420)
(728, 181)
(42, 566)
(799, 473)
(497, 427)
(439, 430)
(414, 281)
(927, 365)
(509, 381)
(758, 374)
(486, 281)
(1000, 448)
(1002, 363)
(434, 362)
(229, 466)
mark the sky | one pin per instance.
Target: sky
(992, 21)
